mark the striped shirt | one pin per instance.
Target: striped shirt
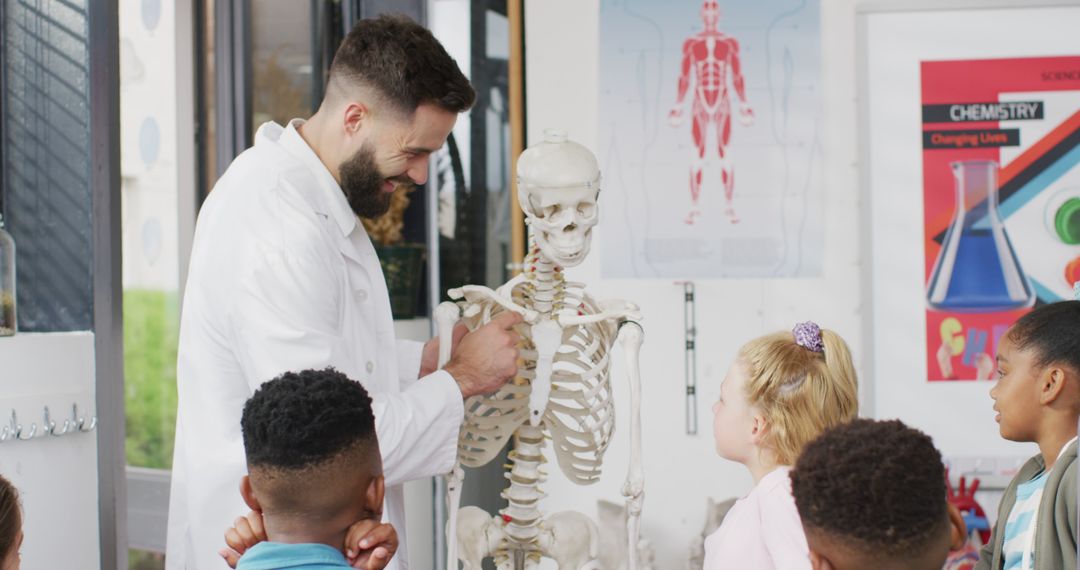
(1020, 528)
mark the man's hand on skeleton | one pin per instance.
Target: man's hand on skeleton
(429, 359)
(487, 357)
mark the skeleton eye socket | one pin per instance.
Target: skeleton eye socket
(551, 210)
(536, 209)
(586, 209)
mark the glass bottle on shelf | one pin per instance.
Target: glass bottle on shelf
(7, 282)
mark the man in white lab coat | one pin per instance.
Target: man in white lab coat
(283, 277)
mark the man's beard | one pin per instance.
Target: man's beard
(362, 183)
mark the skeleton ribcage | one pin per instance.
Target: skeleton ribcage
(580, 415)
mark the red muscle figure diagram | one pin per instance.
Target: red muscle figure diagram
(709, 58)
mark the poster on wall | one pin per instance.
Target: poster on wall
(1001, 201)
(710, 120)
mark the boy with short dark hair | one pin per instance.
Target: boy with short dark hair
(314, 471)
(872, 494)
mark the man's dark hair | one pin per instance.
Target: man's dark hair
(304, 419)
(875, 486)
(1052, 332)
(404, 63)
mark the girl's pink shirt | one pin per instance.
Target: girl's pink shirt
(762, 531)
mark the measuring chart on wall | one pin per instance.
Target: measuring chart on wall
(710, 138)
(1001, 195)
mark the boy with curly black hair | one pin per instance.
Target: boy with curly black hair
(872, 494)
(1037, 398)
(314, 475)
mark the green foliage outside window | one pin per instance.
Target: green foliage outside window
(151, 333)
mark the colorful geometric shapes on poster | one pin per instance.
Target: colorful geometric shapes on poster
(1067, 221)
(1072, 272)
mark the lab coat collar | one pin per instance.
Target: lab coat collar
(308, 176)
(328, 199)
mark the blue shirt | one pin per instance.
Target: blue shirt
(1020, 528)
(279, 556)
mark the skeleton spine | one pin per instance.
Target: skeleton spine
(522, 514)
(545, 277)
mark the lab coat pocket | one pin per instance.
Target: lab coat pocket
(361, 314)
(359, 286)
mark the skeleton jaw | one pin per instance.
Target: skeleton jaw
(563, 252)
(560, 256)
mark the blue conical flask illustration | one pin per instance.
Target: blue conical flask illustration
(977, 269)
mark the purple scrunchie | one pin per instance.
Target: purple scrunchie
(808, 336)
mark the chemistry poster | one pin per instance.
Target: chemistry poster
(1001, 190)
(710, 121)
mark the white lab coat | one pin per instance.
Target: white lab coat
(283, 277)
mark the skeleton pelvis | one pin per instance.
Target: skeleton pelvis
(572, 540)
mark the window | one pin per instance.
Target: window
(46, 161)
(285, 83)
(152, 227)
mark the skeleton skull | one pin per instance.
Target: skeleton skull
(558, 183)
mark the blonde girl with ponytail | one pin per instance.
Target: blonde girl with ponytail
(782, 391)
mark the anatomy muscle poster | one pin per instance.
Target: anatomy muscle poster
(710, 119)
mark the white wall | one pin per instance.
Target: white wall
(57, 477)
(681, 470)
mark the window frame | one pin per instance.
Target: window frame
(104, 62)
(145, 520)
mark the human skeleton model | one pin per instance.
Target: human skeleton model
(562, 390)
(710, 55)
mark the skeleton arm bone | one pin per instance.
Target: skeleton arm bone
(630, 336)
(454, 481)
(446, 316)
